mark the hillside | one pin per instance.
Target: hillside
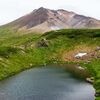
(21, 51)
(43, 20)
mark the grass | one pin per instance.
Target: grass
(19, 51)
(94, 68)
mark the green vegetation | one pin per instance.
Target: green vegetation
(94, 68)
(20, 51)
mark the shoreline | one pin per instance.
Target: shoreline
(74, 70)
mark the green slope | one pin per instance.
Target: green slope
(19, 51)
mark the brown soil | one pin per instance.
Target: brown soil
(90, 50)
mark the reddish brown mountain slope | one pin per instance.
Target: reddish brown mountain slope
(42, 20)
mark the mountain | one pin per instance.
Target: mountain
(42, 20)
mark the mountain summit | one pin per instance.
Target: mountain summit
(42, 20)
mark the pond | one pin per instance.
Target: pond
(45, 83)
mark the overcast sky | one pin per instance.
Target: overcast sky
(13, 9)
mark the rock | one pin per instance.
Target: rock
(90, 80)
(97, 94)
(97, 48)
(43, 43)
(81, 68)
(98, 56)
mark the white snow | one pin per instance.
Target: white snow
(79, 55)
(55, 27)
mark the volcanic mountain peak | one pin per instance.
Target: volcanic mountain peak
(44, 19)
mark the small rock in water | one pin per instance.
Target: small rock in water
(90, 80)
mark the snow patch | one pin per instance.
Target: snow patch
(55, 27)
(79, 55)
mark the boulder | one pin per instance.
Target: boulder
(43, 43)
(90, 80)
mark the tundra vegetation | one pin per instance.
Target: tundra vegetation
(19, 51)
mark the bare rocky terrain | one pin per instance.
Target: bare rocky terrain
(43, 20)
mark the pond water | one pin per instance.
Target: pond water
(45, 83)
